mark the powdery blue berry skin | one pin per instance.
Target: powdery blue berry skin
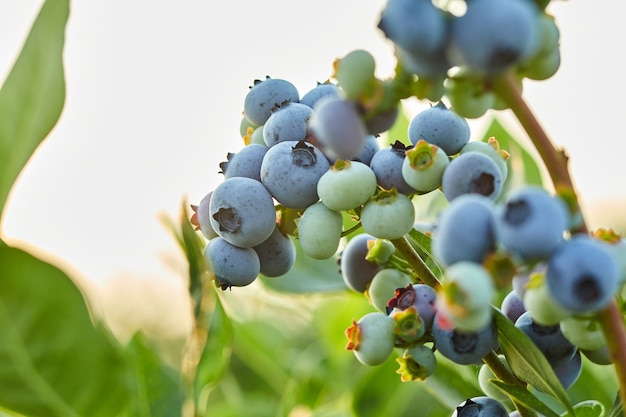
(387, 166)
(242, 212)
(357, 272)
(319, 91)
(472, 173)
(416, 26)
(465, 230)
(548, 339)
(475, 44)
(531, 223)
(481, 407)
(441, 127)
(232, 266)
(464, 348)
(245, 163)
(277, 254)
(582, 276)
(512, 306)
(287, 123)
(203, 217)
(370, 148)
(265, 95)
(290, 171)
(569, 372)
(338, 128)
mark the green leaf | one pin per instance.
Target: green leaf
(158, 390)
(216, 354)
(527, 361)
(55, 361)
(618, 409)
(421, 243)
(307, 275)
(588, 408)
(33, 94)
(523, 167)
(525, 397)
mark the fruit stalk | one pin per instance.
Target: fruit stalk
(555, 161)
(409, 254)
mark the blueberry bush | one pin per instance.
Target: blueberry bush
(399, 267)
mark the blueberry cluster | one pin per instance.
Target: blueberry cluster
(456, 52)
(313, 161)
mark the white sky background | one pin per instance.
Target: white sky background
(155, 91)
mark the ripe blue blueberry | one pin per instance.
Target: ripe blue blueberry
(277, 254)
(465, 230)
(420, 296)
(531, 223)
(319, 91)
(387, 166)
(288, 122)
(357, 272)
(548, 339)
(242, 211)
(481, 407)
(472, 173)
(582, 276)
(231, 266)
(245, 163)
(266, 94)
(290, 171)
(441, 127)
(464, 348)
(494, 35)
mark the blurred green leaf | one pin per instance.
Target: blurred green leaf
(589, 408)
(421, 243)
(157, 387)
(33, 94)
(525, 397)
(55, 361)
(307, 275)
(523, 167)
(216, 353)
(527, 361)
(618, 408)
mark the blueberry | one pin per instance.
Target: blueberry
(415, 26)
(440, 126)
(424, 166)
(338, 128)
(346, 185)
(481, 407)
(384, 286)
(388, 215)
(201, 217)
(485, 375)
(266, 94)
(230, 265)
(472, 173)
(464, 348)
(290, 171)
(245, 163)
(569, 372)
(319, 91)
(277, 254)
(357, 272)
(548, 339)
(491, 148)
(582, 276)
(370, 148)
(242, 211)
(319, 231)
(473, 41)
(371, 338)
(465, 230)
(512, 306)
(387, 166)
(354, 73)
(288, 122)
(531, 223)
(417, 363)
(420, 296)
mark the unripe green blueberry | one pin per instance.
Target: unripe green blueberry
(319, 231)
(540, 304)
(371, 338)
(484, 376)
(355, 74)
(584, 333)
(417, 363)
(346, 185)
(423, 166)
(383, 287)
(388, 215)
